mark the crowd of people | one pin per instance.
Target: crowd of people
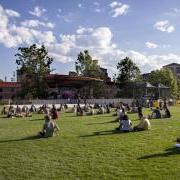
(122, 110)
(50, 115)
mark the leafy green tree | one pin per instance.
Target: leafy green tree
(166, 77)
(34, 65)
(127, 71)
(86, 66)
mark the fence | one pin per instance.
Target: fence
(70, 101)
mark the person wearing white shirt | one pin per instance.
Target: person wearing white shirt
(125, 124)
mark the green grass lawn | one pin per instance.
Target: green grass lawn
(88, 148)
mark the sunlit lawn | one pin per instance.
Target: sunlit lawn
(88, 148)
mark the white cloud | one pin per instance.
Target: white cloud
(59, 10)
(12, 13)
(164, 26)
(98, 10)
(151, 45)
(96, 3)
(173, 12)
(37, 23)
(80, 5)
(115, 4)
(67, 17)
(119, 9)
(38, 11)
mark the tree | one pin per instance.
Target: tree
(34, 65)
(165, 77)
(127, 71)
(86, 66)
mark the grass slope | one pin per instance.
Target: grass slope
(88, 148)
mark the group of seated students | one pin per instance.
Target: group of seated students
(160, 113)
(12, 112)
(89, 110)
(125, 124)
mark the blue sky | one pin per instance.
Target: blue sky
(146, 31)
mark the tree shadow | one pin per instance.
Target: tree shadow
(168, 152)
(22, 139)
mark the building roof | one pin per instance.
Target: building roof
(162, 86)
(70, 78)
(9, 84)
(172, 64)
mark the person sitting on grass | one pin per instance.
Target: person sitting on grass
(108, 109)
(11, 112)
(49, 128)
(156, 114)
(125, 124)
(90, 112)
(4, 110)
(177, 145)
(79, 111)
(167, 113)
(143, 125)
(54, 113)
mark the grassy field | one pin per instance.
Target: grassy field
(89, 148)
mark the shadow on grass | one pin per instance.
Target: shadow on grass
(102, 133)
(114, 121)
(22, 139)
(40, 119)
(109, 132)
(168, 152)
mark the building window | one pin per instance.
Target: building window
(178, 70)
(1, 90)
(12, 89)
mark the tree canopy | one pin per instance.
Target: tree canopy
(34, 64)
(166, 77)
(127, 71)
(86, 66)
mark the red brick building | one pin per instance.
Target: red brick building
(9, 90)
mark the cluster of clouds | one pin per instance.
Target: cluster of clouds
(13, 35)
(164, 26)
(118, 9)
(65, 47)
(37, 11)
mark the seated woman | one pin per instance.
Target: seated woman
(125, 124)
(49, 128)
(143, 125)
(167, 113)
(156, 114)
(90, 112)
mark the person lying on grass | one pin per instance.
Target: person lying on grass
(125, 124)
(143, 125)
(49, 128)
